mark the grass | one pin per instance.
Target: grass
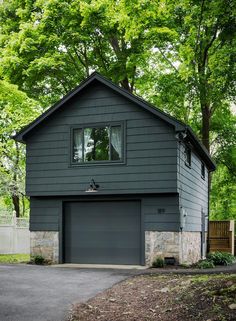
(14, 258)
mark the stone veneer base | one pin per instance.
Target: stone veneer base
(45, 244)
(185, 247)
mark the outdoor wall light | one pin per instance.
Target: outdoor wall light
(93, 187)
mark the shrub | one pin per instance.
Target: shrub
(39, 260)
(221, 258)
(158, 263)
(205, 264)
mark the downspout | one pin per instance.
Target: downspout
(208, 213)
(180, 136)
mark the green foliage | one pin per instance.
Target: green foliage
(14, 258)
(224, 179)
(158, 263)
(39, 260)
(180, 56)
(205, 264)
(16, 110)
(223, 207)
(221, 258)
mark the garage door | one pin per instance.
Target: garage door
(102, 232)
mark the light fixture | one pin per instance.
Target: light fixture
(93, 187)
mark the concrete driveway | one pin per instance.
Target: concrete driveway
(43, 293)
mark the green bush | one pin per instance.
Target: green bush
(221, 258)
(205, 264)
(158, 263)
(39, 260)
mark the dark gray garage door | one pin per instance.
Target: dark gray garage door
(102, 232)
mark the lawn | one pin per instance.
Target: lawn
(14, 258)
(164, 298)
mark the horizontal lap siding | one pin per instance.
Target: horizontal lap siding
(167, 221)
(45, 212)
(150, 150)
(193, 191)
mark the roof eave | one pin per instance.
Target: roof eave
(178, 125)
(95, 76)
(202, 150)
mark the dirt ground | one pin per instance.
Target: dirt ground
(165, 298)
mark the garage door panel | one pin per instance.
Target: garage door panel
(113, 240)
(114, 228)
(102, 232)
(107, 256)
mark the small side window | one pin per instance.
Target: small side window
(187, 154)
(203, 171)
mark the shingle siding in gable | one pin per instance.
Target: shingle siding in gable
(151, 150)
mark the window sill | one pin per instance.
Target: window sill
(189, 166)
(102, 163)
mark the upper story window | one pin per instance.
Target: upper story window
(97, 143)
(188, 156)
(203, 171)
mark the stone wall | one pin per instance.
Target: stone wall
(190, 247)
(161, 244)
(45, 244)
(185, 247)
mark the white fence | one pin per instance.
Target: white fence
(14, 235)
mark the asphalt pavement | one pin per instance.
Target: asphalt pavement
(45, 293)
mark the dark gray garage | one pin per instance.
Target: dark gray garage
(102, 232)
(101, 139)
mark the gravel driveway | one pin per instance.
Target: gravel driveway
(43, 293)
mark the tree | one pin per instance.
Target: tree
(180, 56)
(206, 47)
(16, 110)
(48, 47)
(223, 195)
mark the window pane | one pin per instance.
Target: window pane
(203, 170)
(188, 156)
(116, 143)
(77, 145)
(96, 144)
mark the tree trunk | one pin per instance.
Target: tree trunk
(125, 84)
(206, 118)
(23, 205)
(16, 204)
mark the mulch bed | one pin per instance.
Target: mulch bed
(165, 298)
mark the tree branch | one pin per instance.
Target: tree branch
(169, 62)
(199, 28)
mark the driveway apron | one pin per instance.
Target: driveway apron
(42, 293)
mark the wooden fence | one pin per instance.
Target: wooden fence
(221, 236)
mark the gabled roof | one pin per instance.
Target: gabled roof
(178, 125)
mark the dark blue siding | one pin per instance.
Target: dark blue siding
(150, 150)
(45, 212)
(193, 191)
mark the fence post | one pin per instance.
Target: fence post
(14, 218)
(232, 230)
(14, 221)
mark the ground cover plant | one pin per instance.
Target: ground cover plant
(165, 298)
(221, 258)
